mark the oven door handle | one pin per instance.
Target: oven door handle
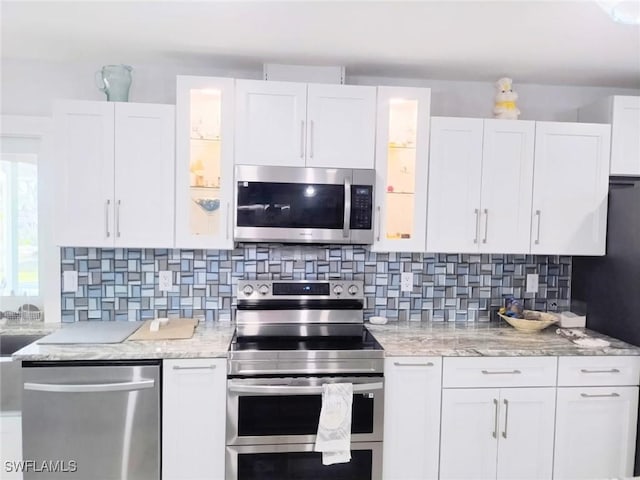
(290, 390)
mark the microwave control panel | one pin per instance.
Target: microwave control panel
(361, 207)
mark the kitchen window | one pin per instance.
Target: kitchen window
(27, 253)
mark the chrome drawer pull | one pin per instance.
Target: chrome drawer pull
(511, 372)
(613, 370)
(399, 364)
(204, 367)
(607, 395)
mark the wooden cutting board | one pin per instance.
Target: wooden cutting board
(175, 329)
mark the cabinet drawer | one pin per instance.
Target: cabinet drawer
(595, 371)
(499, 372)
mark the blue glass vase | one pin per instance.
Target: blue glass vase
(114, 81)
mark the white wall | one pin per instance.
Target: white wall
(28, 88)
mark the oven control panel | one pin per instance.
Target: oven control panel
(300, 289)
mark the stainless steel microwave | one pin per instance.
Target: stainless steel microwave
(303, 205)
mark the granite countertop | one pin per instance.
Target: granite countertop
(490, 339)
(210, 340)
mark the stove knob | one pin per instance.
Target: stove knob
(353, 289)
(338, 289)
(263, 289)
(247, 290)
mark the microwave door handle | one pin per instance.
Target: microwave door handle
(347, 208)
(289, 390)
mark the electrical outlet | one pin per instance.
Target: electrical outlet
(532, 283)
(69, 281)
(406, 282)
(165, 280)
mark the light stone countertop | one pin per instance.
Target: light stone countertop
(485, 339)
(210, 340)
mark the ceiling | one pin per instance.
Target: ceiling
(550, 42)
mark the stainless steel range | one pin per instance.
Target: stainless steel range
(292, 337)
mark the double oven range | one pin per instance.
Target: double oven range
(291, 338)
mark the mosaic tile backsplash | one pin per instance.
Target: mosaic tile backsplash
(122, 284)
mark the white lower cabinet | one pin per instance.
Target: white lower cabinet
(193, 419)
(497, 433)
(597, 415)
(411, 417)
(11, 442)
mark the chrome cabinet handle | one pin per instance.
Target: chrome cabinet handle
(379, 222)
(537, 240)
(118, 219)
(495, 417)
(301, 138)
(477, 214)
(604, 395)
(228, 219)
(487, 372)
(400, 364)
(311, 139)
(291, 390)
(486, 225)
(203, 367)
(506, 417)
(106, 216)
(90, 388)
(347, 208)
(613, 370)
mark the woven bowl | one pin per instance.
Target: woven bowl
(530, 323)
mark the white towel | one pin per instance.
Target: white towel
(334, 428)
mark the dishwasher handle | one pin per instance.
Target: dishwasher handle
(90, 387)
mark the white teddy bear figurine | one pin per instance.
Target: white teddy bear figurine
(505, 106)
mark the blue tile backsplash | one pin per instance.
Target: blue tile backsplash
(122, 284)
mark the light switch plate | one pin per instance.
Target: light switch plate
(406, 282)
(165, 280)
(69, 281)
(532, 283)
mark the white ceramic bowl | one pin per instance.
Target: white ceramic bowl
(378, 320)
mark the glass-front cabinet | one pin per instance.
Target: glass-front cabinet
(402, 154)
(204, 162)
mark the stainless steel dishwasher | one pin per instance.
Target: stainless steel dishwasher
(91, 420)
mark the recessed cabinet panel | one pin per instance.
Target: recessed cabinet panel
(84, 151)
(625, 137)
(341, 126)
(270, 123)
(204, 163)
(402, 155)
(455, 166)
(570, 189)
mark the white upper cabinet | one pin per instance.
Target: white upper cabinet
(295, 124)
(114, 178)
(569, 210)
(402, 156)
(623, 113)
(204, 162)
(270, 124)
(341, 126)
(480, 183)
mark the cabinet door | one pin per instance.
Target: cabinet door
(595, 432)
(571, 178)
(11, 441)
(507, 183)
(84, 154)
(625, 136)
(402, 156)
(411, 417)
(193, 419)
(525, 441)
(144, 175)
(270, 124)
(469, 431)
(454, 185)
(341, 126)
(204, 162)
